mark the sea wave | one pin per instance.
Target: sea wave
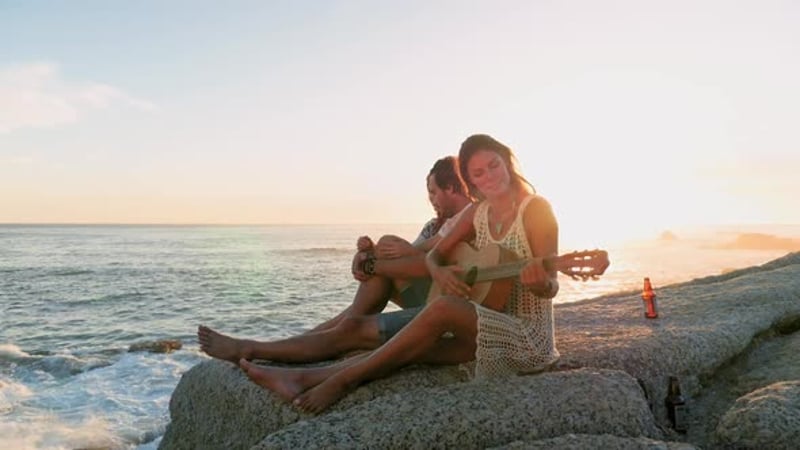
(12, 352)
(49, 432)
(70, 272)
(316, 251)
(11, 392)
(59, 365)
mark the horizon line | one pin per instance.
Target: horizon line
(216, 224)
(331, 224)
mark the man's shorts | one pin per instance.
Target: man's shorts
(412, 299)
(391, 323)
(416, 293)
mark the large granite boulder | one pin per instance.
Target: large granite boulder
(596, 441)
(765, 418)
(702, 325)
(482, 414)
(216, 406)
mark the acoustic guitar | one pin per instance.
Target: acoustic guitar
(491, 270)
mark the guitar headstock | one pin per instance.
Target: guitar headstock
(584, 265)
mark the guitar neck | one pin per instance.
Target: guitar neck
(512, 269)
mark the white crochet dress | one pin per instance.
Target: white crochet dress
(522, 339)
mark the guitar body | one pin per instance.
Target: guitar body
(492, 294)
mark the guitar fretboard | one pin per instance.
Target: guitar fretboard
(509, 270)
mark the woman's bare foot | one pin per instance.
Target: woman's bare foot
(321, 396)
(223, 347)
(287, 383)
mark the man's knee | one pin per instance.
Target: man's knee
(387, 238)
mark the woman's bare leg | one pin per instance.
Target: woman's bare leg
(289, 382)
(351, 333)
(411, 344)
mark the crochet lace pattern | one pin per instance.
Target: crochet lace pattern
(521, 339)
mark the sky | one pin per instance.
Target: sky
(630, 117)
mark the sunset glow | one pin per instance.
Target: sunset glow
(630, 118)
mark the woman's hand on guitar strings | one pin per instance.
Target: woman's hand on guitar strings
(448, 278)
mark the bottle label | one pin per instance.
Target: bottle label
(650, 308)
(680, 417)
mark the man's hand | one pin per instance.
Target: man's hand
(358, 265)
(364, 244)
(393, 247)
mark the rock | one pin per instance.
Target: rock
(702, 324)
(759, 241)
(594, 441)
(772, 357)
(765, 418)
(216, 406)
(482, 414)
(607, 346)
(667, 236)
(160, 346)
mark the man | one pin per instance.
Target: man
(397, 269)
(391, 269)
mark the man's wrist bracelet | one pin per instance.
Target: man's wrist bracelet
(369, 265)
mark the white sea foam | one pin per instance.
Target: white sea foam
(131, 395)
(11, 351)
(11, 393)
(51, 433)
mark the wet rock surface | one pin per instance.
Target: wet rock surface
(160, 346)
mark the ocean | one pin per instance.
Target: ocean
(75, 298)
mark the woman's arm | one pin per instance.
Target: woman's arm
(463, 231)
(541, 229)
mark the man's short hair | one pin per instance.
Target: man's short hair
(445, 175)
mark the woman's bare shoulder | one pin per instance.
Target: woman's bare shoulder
(537, 203)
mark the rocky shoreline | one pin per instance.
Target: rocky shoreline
(730, 339)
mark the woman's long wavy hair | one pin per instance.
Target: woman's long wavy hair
(478, 142)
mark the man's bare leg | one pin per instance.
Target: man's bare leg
(351, 333)
(371, 298)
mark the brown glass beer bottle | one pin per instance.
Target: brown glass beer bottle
(676, 406)
(649, 298)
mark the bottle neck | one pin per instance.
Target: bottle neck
(674, 387)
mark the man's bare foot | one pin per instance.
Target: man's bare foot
(223, 347)
(287, 383)
(321, 396)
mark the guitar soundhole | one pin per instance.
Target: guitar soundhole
(471, 275)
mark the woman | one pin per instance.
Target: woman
(515, 335)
